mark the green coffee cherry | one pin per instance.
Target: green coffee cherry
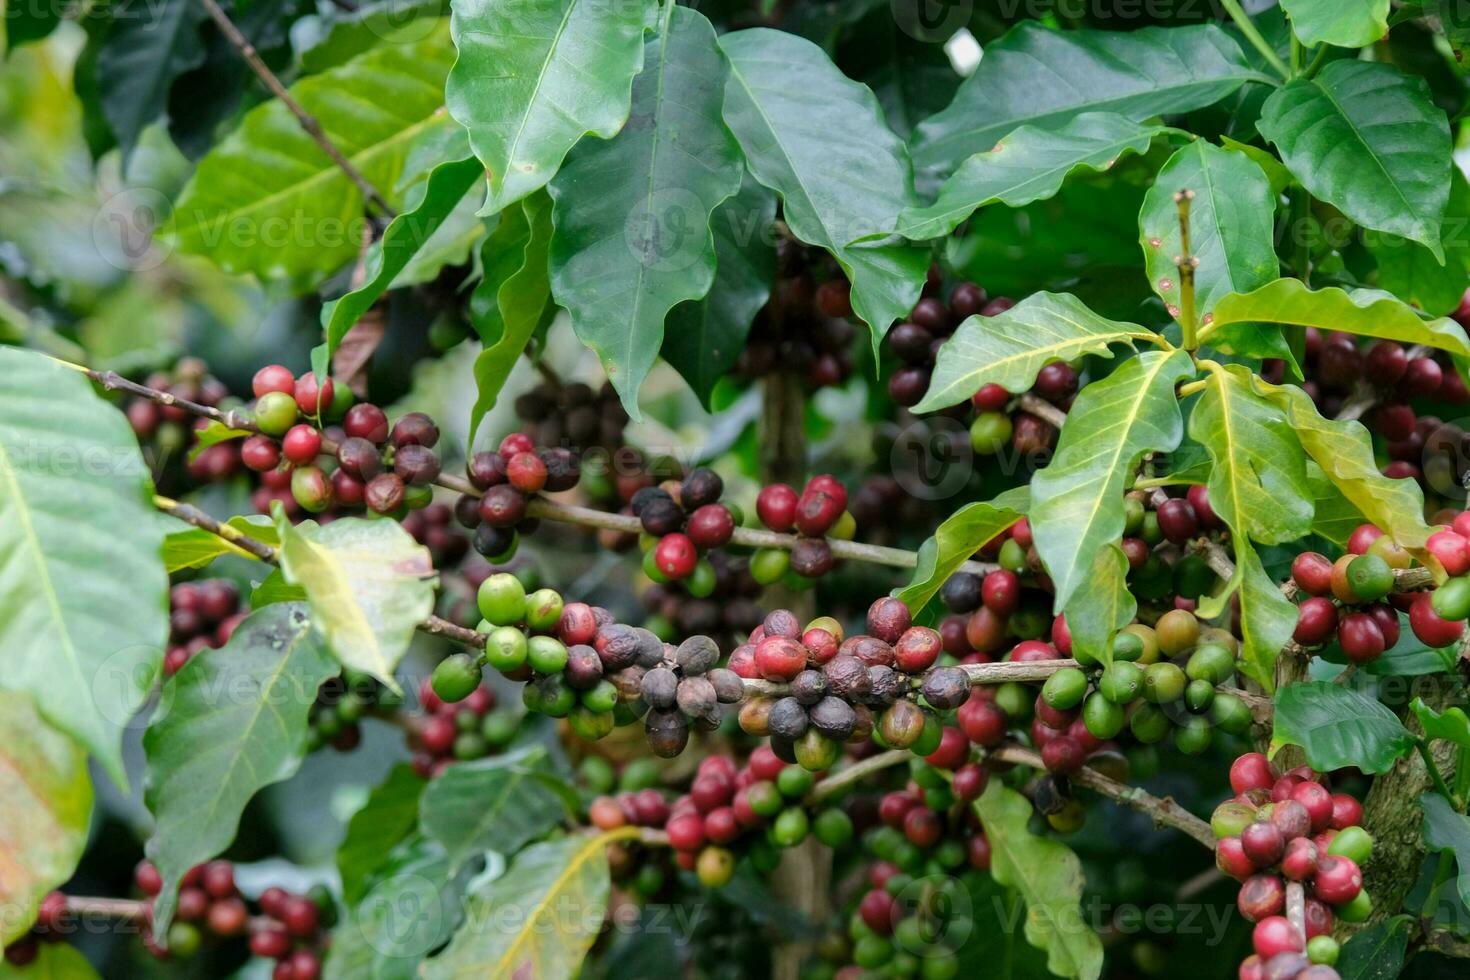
(469, 745)
(1452, 599)
(701, 584)
(1199, 695)
(1148, 723)
(546, 654)
(1352, 842)
(1127, 647)
(1122, 682)
(1065, 689)
(1322, 950)
(502, 599)
(1211, 662)
(1016, 700)
(794, 783)
(1102, 718)
(1163, 683)
(1012, 556)
(588, 724)
(543, 610)
(1357, 910)
(1230, 714)
(990, 432)
(603, 696)
(1194, 737)
(1370, 577)
(455, 678)
(505, 649)
(790, 828)
(768, 565)
(499, 727)
(833, 827)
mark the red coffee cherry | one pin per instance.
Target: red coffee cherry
(710, 526)
(526, 472)
(1316, 622)
(260, 453)
(1429, 627)
(273, 377)
(366, 421)
(1312, 573)
(776, 507)
(675, 556)
(309, 395)
(1261, 897)
(302, 444)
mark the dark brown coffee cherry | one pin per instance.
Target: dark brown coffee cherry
(646, 496)
(417, 465)
(787, 719)
(809, 687)
(885, 686)
(360, 458)
(833, 717)
(502, 506)
(907, 385)
(563, 470)
(486, 470)
(910, 342)
(668, 733)
(1177, 520)
(492, 542)
(415, 429)
(659, 687)
(619, 646)
(384, 493)
(961, 592)
(696, 697)
(782, 622)
(697, 655)
(811, 558)
(946, 687)
(847, 676)
(702, 486)
(729, 688)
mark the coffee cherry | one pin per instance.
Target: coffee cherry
(384, 493)
(1432, 629)
(417, 465)
(1177, 520)
(776, 507)
(1263, 843)
(260, 453)
(1338, 880)
(275, 413)
(675, 556)
(1300, 860)
(888, 619)
(711, 526)
(816, 512)
(311, 488)
(310, 399)
(359, 458)
(273, 377)
(1063, 755)
(1274, 935)
(1261, 897)
(502, 506)
(990, 432)
(1360, 638)
(270, 943)
(811, 557)
(415, 429)
(366, 421)
(455, 677)
(302, 444)
(498, 544)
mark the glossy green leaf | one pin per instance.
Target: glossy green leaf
(1365, 137)
(496, 804)
(1231, 230)
(212, 435)
(1078, 496)
(196, 547)
(45, 811)
(1412, 273)
(232, 721)
(408, 908)
(1446, 830)
(1048, 877)
(632, 235)
(1009, 348)
(516, 925)
(1105, 606)
(405, 235)
(83, 596)
(1344, 450)
(1333, 515)
(1028, 164)
(1452, 725)
(511, 299)
(1140, 74)
(149, 46)
(267, 200)
(1365, 312)
(1344, 23)
(703, 338)
(534, 78)
(1377, 951)
(348, 33)
(369, 585)
(953, 543)
(390, 814)
(817, 138)
(1338, 727)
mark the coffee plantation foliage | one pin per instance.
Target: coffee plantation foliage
(580, 488)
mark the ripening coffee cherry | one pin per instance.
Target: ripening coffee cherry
(1177, 520)
(384, 493)
(311, 399)
(776, 507)
(502, 506)
(1360, 638)
(1261, 897)
(275, 413)
(1063, 755)
(780, 658)
(415, 429)
(1263, 843)
(1316, 622)
(260, 453)
(366, 421)
(1299, 862)
(311, 489)
(273, 377)
(1432, 629)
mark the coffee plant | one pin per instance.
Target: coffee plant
(600, 488)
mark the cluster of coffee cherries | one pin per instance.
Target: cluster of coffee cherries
(1336, 363)
(1168, 677)
(341, 704)
(164, 431)
(804, 327)
(1282, 828)
(202, 615)
(729, 611)
(835, 686)
(388, 470)
(916, 341)
(1354, 601)
(507, 477)
(292, 929)
(573, 416)
(815, 514)
(470, 727)
(681, 521)
(685, 687)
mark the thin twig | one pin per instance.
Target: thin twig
(835, 785)
(1165, 812)
(1248, 28)
(308, 122)
(1186, 264)
(1042, 409)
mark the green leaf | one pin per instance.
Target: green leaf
(953, 543)
(1446, 830)
(213, 434)
(83, 596)
(703, 338)
(533, 78)
(348, 33)
(1049, 878)
(1333, 515)
(1267, 618)
(267, 200)
(818, 139)
(405, 235)
(369, 585)
(45, 811)
(1153, 71)
(1231, 230)
(632, 214)
(54, 961)
(1028, 164)
(1009, 348)
(1338, 727)
(1095, 613)
(1452, 725)
(232, 721)
(390, 814)
(150, 44)
(274, 588)
(511, 299)
(1411, 272)
(196, 547)
(542, 940)
(1365, 138)
(1078, 507)
(1377, 952)
(408, 908)
(496, 804)
(1344, 450)
(1344, 23)
(1366, 312)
